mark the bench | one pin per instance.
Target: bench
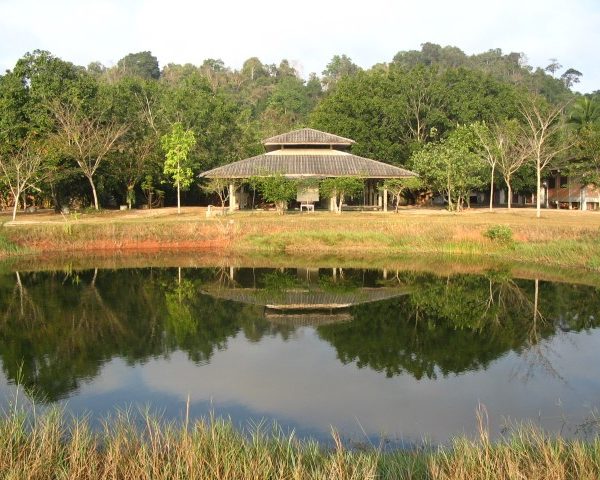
(310, 207)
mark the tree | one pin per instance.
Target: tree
(513, 151)
(277, 189)
(220, 186)
(340, 187)
(586, 164)
(585, 111)
(502, 146)
(141, 64)
(397, 186)
(340, 66)
(136, 102)
(489, 153)
(451, 166)
(542, 131)
(86, 139)
(177, 145)
(570, 77)
(22, 170)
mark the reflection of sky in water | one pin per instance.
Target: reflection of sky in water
(302, 384)
(116, 339)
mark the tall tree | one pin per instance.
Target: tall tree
(339, 67)
(140, 64)
(21, 170)
(177, 145)
(86, 138)
(451, 166)
(543, 132)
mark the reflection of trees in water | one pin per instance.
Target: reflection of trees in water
(60, 328)
(57, 330)
(461, 323)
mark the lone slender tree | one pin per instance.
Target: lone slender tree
(542, 130)
(177, 145)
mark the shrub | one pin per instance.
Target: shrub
(499, 233)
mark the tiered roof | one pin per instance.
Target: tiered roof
(304, 153)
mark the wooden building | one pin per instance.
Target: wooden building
(310, 153)
(565, 192)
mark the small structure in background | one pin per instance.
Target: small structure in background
(307, 154)
(565, 192)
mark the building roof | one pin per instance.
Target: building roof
(307, 136)
(306, 300)
(332, 164)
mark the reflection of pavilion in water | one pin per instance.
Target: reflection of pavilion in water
(305, 296)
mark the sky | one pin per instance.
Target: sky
(308, 33)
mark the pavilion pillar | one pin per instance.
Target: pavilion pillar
(332, 206)
(232, 204)
(385, 199)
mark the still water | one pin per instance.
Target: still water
(400, 355)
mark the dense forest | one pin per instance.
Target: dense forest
(96, 136)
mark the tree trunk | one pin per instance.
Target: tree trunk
(509, 193)
(178, 198)
(492, 189)
(14, 215)
(538, 211)
(339, 208)
(96, 205)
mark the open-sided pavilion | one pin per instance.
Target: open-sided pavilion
(308, 153)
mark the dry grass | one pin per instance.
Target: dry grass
(48, 446)
(560, 238)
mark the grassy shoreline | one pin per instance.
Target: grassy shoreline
(560, 239)
(52, 445)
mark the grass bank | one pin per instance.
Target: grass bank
(567, 239)
(50, 446)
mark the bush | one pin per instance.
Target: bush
(499, 233)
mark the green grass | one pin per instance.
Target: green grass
(53, 445)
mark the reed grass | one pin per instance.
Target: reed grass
(53, 445)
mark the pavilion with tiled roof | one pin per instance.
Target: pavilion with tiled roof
(310, 153)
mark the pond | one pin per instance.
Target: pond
(399, 355)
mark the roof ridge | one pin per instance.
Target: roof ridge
(309, 136)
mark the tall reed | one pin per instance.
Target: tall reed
(53, 445)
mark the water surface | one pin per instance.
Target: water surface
(373, 353)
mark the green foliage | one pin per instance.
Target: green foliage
(339, 67)
(340, 188)
(220, 187)
(141, 64)
(276, 189)
(499, 233)
(390, 113)
(452, 166)
(177, 145)
(398, 186)
(391, 110)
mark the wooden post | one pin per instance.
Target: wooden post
(385, 199)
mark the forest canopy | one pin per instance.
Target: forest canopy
(91, 136)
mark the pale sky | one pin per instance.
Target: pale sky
(308, 32)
